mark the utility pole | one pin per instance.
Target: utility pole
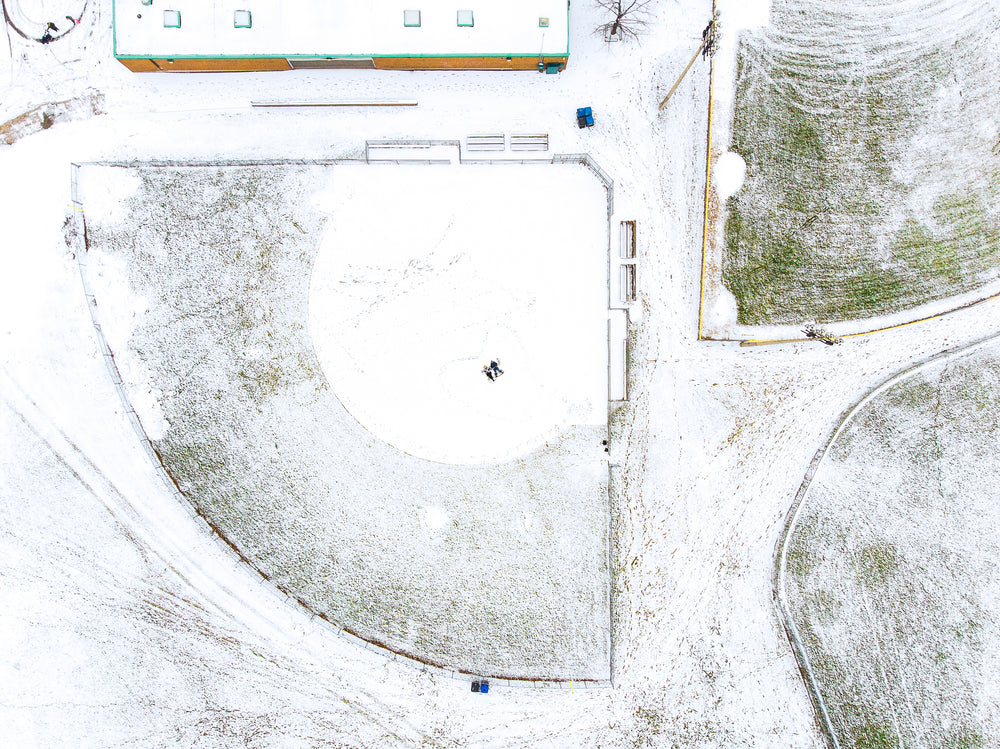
(709, 43)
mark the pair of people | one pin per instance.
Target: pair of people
(50, 27)
(492, 370)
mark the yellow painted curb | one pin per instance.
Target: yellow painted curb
(753, 342)
(708, 184)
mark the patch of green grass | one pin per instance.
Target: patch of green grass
(875, 564)
(917, 392)
(919, 251)
(866, 293)
(825, 606)
(769, 261)
(875, 736)
(801, 559)
(967, 227)
(803, 139)
(964, 739)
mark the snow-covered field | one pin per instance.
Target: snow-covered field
(126, 623)
(411, 297)
(872, 142)
(459, 520)
(891, 567)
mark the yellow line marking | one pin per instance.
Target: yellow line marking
(904, 324)
(755, 342)
(708, 183)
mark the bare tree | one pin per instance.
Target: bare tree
(628, 19)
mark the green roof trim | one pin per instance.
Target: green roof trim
(303, 56)
(299, 55)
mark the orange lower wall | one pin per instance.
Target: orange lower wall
(462, 63)
(140, 66)
(227, 65)
(214, 65)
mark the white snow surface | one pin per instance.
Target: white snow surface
(106, 199)
(340, 27)
(125, 623)
(411, 298)
(730, 171)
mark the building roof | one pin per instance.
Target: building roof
(339, 28)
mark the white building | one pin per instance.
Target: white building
(235, 35)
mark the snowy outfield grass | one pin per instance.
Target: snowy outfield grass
(248, 305)
(889, 568)
(872, 145)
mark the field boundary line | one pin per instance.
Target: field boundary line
(708, 185)
(884, 329)
(779, 596)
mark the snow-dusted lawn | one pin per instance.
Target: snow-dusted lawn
(241, 302)
(128, 624)
(891, 569)
(870, 133)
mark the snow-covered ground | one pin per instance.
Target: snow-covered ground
(460, 521)
(410, 298)
(130, 624)
(890, 569)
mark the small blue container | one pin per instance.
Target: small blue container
(484, 687)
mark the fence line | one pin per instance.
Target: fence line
(387, 103)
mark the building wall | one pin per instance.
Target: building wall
(239, 64)
(205, 65)
(463, 63)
